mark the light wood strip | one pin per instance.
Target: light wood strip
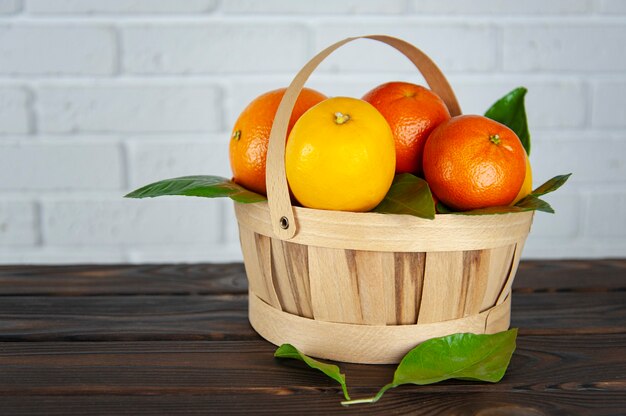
(374, 269)
(368, 344)
(297, 259)
(334, 285)
(389, 294)
(256, 278)
(475, 279)
(408, 284)
(500, 261)
(280, 277)
(506, 287)
(397, 233)
(264, 257)
(443, 287)
(499, 317)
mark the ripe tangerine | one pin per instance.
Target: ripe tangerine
(412, 112)
(251, 133)
(473, 162)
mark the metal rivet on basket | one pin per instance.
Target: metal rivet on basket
(284, 223)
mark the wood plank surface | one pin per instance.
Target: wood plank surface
(136, 318)
(124, 318)
(571, 275)
(230, 278)
(96, 280)
(553, 373)
(321, 402)
(175, 340)
(539, 362)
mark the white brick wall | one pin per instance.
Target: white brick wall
(10, 6)
(214, 48)
(129, 108)
(499, 7)
(99, 97)
(564, 46)
(99, 221)
(18, 223)
(609, 104)
(612, 6)
(321, 7)
(60, 164)
(169, 157)
(119, 6)
(459, 46)
(15, 110)
(57, 49)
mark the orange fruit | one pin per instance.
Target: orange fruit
(251, 133)
(340, 156)
(527, 186)
(412, 112)
(474, 162)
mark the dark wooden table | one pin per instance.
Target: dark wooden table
(169, 340)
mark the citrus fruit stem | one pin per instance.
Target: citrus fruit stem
(237, 135)
(341, 118)
(495, 139)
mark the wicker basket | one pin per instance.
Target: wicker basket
(368, 287)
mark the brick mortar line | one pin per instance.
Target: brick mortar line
(617, 133)
(579, 76)
(140, 138)
(317, 18)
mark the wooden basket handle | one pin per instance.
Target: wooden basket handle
(281, 211)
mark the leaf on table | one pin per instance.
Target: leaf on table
(331, 370)
(202, 186)
(551, 185)
(459, 356)
(408, 195)
(510, 111)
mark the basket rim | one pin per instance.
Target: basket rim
(344, 215)
(392, 232)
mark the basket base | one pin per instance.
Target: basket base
(365, 344)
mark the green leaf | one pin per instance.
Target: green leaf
(551, 185)
(203, 186)
(408, 195)
(442, 209)
(331, 370)
(531, 202)
(510, 111)
(459, 356)
(504, 209)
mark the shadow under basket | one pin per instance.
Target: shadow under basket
(367, 287)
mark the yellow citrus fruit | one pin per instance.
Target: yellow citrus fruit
(527, 186)
(340, 155)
